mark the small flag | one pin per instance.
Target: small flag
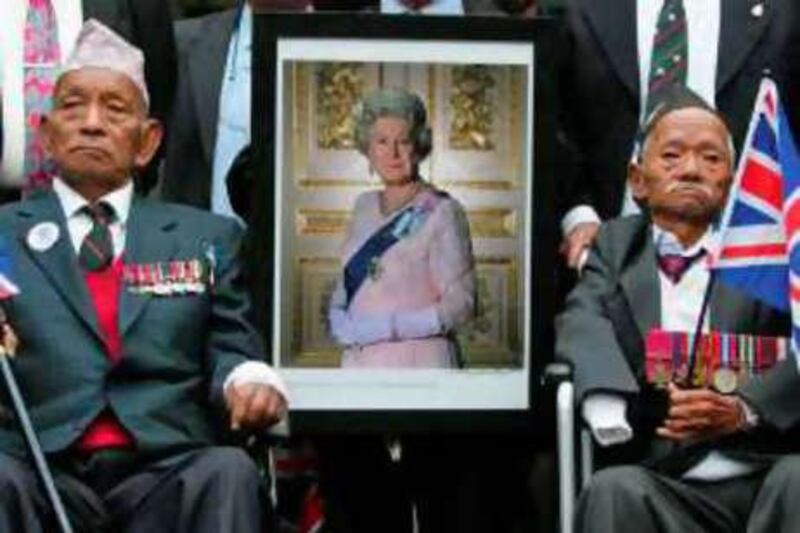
(759, 249)
(7, 286)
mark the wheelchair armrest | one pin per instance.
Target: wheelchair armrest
(560, 374)
(556, 373)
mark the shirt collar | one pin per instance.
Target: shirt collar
(72, 202)
(667, 243)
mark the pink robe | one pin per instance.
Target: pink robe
(424, 288)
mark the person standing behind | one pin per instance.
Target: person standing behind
(618, 52)
(212, 105)
(36, 36)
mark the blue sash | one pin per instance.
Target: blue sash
(404, 224)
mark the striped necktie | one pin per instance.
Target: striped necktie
(97, 249)
(41, 58)
(670, 56)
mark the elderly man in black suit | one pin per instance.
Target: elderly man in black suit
(613, 60)
(135, 344)
(704, 461)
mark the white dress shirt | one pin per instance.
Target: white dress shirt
(702, 28)
(79, 223)
(69, 19)
(233, 124)
(436, 7)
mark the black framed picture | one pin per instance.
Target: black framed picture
(436, 312)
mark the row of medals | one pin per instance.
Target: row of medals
(725, 379)
(163, 279)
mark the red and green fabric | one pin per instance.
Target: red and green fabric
(669, 61)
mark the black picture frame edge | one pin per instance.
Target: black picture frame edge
(268, 29)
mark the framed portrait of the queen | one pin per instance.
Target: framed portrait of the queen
(405, 201)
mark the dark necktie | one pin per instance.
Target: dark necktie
(97, 249)
(674, 266)
(669, 60)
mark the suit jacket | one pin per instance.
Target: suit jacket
(617, 302)
(202, 52)
(484, 7)
(600, 86)
(147, 24)
(176, 350)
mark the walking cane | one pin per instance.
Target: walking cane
(42, 470)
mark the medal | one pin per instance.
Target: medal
(700, 347)
(211, 263)
(374, 268)
(160, 286)
(661, 377)
(725, 380)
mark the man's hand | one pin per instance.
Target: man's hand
(580, 238)
(701, 414)
(254, 405)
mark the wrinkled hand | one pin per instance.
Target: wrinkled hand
(254, 405)
(576, 241)
(10, 341)
(701, 414)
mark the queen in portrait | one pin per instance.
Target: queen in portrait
(408, 273)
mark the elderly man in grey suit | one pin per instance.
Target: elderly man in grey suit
(704, 461)
(135, 344)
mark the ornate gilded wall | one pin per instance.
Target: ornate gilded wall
(480, 144)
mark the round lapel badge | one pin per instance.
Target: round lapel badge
(43, 236)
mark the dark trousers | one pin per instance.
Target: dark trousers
(455, 484)
(215, 489)
(629, 498)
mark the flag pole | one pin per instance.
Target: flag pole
(698, 330)
(35, 449)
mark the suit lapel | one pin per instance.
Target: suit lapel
(207, 70)
(639, 280)
(58, 262)
(615, 29)
(739, 31)
(149, 239)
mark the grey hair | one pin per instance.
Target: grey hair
(398, 103)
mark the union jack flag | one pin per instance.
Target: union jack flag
(7, 287)
(759, 250)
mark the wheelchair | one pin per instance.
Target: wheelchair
(574, 446)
